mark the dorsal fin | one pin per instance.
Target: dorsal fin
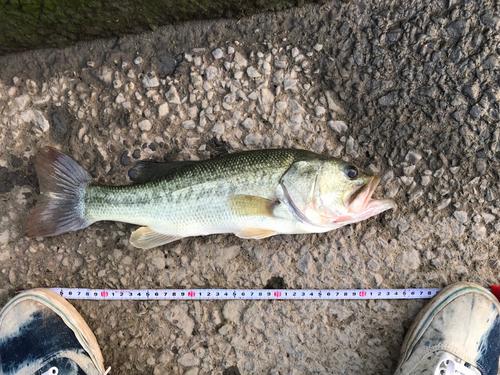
(148, 171)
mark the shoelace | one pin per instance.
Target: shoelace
(107, 371)
(448, 366)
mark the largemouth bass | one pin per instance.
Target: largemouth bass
(253, 194)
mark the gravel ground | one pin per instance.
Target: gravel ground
(410, 91)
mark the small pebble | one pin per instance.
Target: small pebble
(461, 216)
(252, 72)
(124, 159)
(217, 53)
(145, 125)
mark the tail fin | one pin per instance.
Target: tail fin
(62, 190)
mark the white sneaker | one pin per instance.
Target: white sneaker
(42, 334)
(457, 333)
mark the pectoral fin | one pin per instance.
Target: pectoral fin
(255, 233)
(248, 205)
(146, 238)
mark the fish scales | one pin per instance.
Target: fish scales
(192, 197)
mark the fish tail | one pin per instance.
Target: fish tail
(60, 207)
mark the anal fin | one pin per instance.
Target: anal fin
(248, 205)
(146, 238)
(255, 233)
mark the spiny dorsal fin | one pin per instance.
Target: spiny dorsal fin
(248, 205)
(146, 238)
(255, 233)
(148, 171)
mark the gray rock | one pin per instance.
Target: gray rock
(172, 96)
(389, 99)
(240, 60)
(457, 29)
(217, 53)
(295, 107)
(461, 216)
(163, 110)
(415, 195)
(188, 124)
(124, 159)
(481, 166)
(413, 157)
(150, 80)
(120, 99)
(211, 73)
(425, 180)
(279, 77)
(478, 231)
(188, 360)
(472, 91)
(280, 63)
(253, 139)
(252, 72)
(266, 97)
(475, 112)
(338, 126)
(218, 128)
(490, 21)
(145, 125)
(289, 83)
(248, 123)
(22, 101)
(488, 218)
(490, 62)
(332, 104)
(281, 106)
(319, 110)
(443, 204)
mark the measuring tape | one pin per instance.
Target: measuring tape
(243, 294)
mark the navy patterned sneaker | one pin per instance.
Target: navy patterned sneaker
(457, 333)
(42, 334)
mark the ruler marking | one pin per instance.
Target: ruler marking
(243, 294)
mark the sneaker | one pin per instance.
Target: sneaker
(457, 333)
(42, 334)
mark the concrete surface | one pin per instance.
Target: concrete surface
(408, 90)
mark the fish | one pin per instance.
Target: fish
(252, 194)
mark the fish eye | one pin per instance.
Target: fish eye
(351, 172)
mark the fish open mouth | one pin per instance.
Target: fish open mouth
(360, 196)
(361, 205)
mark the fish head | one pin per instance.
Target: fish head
(332, 193)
